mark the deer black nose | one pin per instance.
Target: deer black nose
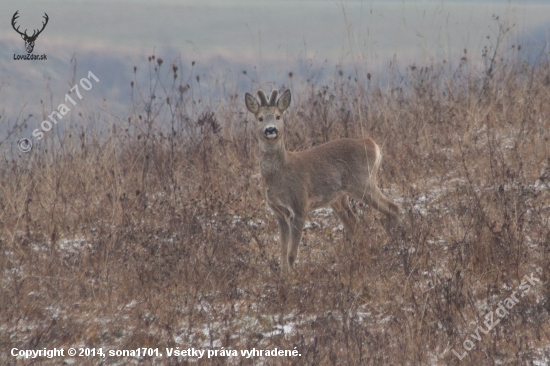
(270, 132)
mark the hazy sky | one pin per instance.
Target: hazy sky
(225, 36)
(253, 30)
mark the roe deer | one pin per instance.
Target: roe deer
(296, 183)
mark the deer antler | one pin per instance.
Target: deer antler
(263, 98)
(273, 97)
(43, 25)
(35, 34)
(15, 16)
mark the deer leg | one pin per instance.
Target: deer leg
(374, 197)
(385, 205)
(296, 227)
(344, 212)
(284, 230)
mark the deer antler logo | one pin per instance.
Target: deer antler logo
(29, 40)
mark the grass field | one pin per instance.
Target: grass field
(153, 232)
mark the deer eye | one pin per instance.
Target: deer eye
(278, 117)
(261, 119)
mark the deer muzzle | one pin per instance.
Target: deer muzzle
(271, 132)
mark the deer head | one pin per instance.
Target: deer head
(269, 114)
(29, 40)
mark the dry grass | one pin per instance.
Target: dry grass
(154, 232)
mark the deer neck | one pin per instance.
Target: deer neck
(274, 156)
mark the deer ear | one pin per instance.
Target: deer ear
(284, 101)
(251, 104)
